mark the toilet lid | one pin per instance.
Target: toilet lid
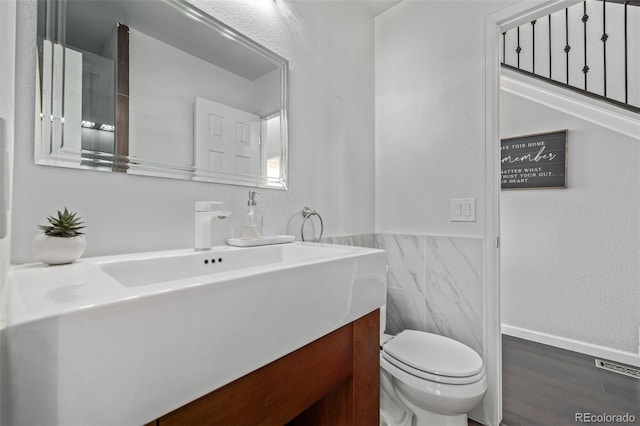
(434, 354)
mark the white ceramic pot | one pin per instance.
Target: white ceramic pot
(58, 250)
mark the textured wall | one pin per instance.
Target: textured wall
(569, 257)
(429, 115)
(331, 140)
(7, 98)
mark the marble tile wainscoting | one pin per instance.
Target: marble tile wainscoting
(362, 240)
(435, 283)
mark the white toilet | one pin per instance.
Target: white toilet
(427, 379)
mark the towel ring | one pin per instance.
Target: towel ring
(307, 213)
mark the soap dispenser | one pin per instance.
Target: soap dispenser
(252, 220)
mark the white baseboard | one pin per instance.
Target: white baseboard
(573, 345)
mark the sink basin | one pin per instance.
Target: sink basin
(179, 266)
(126, 339)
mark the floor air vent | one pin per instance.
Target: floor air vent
(618, 368)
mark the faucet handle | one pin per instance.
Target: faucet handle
(207, 206)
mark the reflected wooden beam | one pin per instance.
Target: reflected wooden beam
(122, 101)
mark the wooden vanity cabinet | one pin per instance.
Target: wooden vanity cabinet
(331, 381)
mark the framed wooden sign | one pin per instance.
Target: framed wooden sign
(535, 161)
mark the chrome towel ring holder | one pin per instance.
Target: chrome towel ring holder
(306, 214)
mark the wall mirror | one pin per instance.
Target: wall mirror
(158, 88)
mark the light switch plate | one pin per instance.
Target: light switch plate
(463, 210)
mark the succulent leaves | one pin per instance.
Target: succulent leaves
(66, 225)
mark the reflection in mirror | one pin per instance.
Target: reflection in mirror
(158, 88)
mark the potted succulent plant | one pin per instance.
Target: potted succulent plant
(61, 242)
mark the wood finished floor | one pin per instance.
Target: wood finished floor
(543, 385)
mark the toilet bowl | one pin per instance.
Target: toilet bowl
(434, 379)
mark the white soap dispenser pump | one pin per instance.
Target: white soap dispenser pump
(252, 220)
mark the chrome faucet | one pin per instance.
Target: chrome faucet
(205, 213)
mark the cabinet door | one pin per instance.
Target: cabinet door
(333, 380)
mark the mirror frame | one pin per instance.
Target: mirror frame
(49, 146)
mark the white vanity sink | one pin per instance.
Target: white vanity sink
(154, 269)
(126, 339)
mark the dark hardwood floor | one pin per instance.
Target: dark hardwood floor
(544, 385)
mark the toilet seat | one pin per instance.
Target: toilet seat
(452, 362)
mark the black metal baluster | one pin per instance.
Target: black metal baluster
(604, 96)
(504, 47)
(518, 48)
(604, 39)
(533, 46)
(567, 48)
(549, 46)
(585, 18)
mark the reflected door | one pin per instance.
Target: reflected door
(226, 139)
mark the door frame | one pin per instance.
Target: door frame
(495, 24)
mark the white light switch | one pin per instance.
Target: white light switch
(463, 210)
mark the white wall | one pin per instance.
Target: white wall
(7, 105)
(7, 98)
(331, 141)
(569, 257)
(429, 115)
